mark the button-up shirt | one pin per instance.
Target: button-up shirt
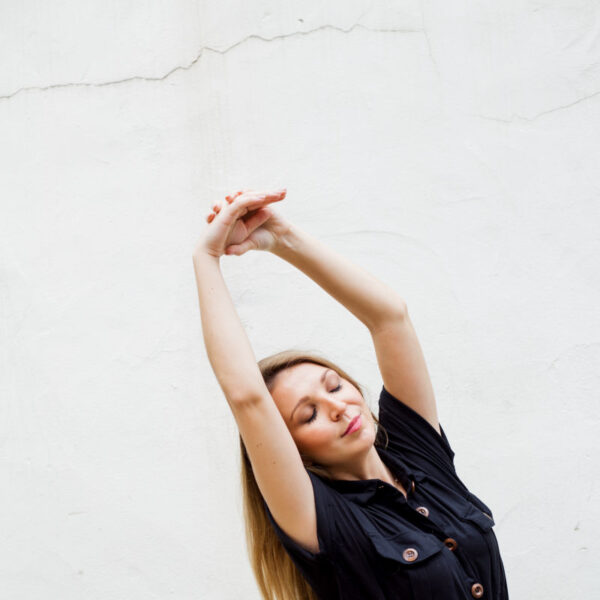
(376, 544)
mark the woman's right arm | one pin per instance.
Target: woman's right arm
(276, 463)
(227, 345)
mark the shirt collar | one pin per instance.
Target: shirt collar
(362, 491)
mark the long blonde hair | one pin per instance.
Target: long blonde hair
(277, 576)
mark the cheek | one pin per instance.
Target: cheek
(316, 437)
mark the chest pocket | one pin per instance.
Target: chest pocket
(411, 565)
(406, 545)
(408, 550)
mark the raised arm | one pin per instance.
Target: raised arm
(399, 355)
(276, 463)
(365, 296)
(227, 346)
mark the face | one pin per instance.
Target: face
(317, 406)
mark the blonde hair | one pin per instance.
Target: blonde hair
(277, 576)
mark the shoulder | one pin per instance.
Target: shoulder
(411, 435)
(329, 505)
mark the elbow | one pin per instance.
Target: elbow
(244, 398)
(397, 310)
(394, 313)
(401, 310)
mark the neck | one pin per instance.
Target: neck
(369, 467)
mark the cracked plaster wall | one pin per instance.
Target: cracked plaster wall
(449, 148)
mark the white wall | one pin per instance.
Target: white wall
(451, 148)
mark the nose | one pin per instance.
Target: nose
(337, 408)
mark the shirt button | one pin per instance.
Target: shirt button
(423, 511)
(476, 590)
(412, 486)
(410, 554)
(452, 544)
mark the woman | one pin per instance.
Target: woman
(338, 504)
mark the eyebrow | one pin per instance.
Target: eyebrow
(305, 398)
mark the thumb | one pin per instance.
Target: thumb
(257, 219)
(239, 249)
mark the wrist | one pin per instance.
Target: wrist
(200, 256)
(287, 242)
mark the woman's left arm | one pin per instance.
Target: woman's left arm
(399, 356)
(367, 298)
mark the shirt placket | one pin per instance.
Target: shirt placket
(414, 508)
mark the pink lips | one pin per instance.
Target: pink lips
(354, 425)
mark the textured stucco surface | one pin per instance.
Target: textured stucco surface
(450, 148)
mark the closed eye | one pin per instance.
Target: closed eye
(314, 413)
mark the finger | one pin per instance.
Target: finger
(274, 196)
(253, 201)
(257, 219)
(271, 194)
(233, 196)
(210, 217)
(281, 192)
(246, 203)
(240, 207)
(274, 193)
(217, 207)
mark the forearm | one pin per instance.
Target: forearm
(367, 298)
(227, 345)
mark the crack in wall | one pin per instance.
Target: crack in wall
(424, 26)
(199, 55)
(516, 117)
(569, 349)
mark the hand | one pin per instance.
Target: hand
(241, 224)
